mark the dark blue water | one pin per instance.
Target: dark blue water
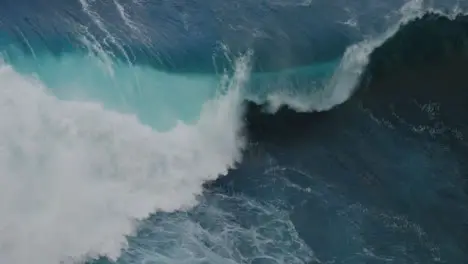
(377, 175)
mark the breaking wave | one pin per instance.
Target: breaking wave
(113, 141)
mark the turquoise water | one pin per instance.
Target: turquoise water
(158, 98)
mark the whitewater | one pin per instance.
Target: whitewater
(76, 177)
(93, 145)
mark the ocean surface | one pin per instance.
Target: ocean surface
(233, 131)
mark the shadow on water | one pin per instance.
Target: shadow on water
(382, 178)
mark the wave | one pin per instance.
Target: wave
(413, 80)
(379, 165)
(102, 138)
(76, 176)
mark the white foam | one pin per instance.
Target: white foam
(214, 233)
(75, 177)
(126, 18)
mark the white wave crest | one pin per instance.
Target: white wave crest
(75, 178)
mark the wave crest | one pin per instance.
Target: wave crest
(75, 177)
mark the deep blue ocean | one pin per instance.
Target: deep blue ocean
(233, 131)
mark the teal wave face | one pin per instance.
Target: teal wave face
(158, 98)
(161, 98)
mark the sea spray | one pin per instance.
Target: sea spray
(76, 177)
